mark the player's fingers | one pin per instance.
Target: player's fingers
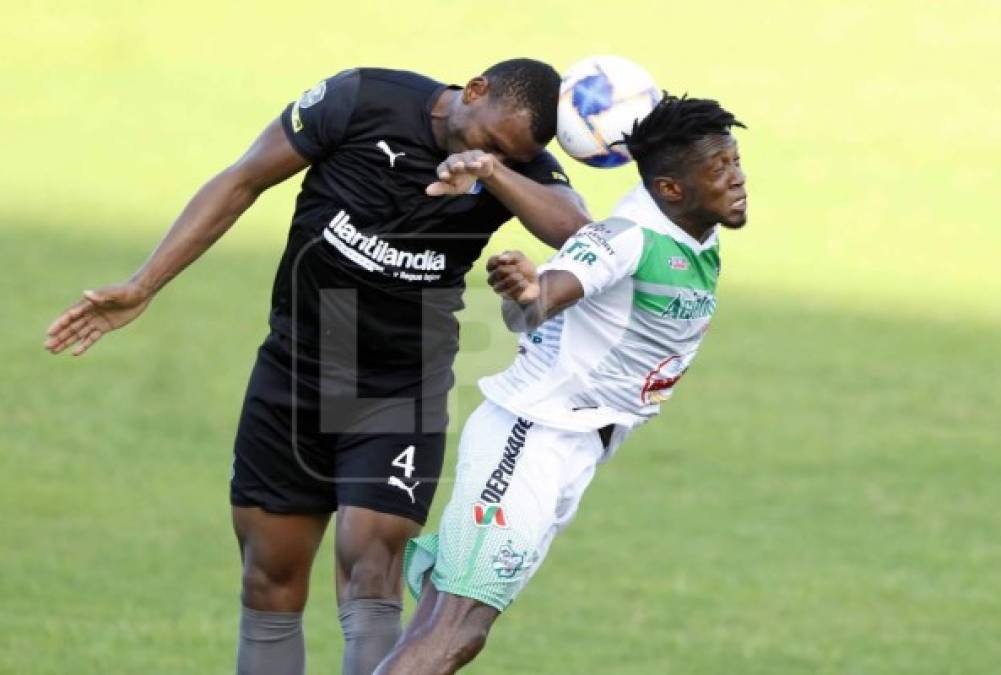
(69, 315)
(87, 342)
(442, 170)
(76, 327)
(501, 285)
(508, 258)
(506, 266)
(508, 282)
(56, 346)
(499, 273)
(496, 261)
(440, 189)
(69, 338)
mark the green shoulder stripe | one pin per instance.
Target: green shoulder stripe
(668, 262)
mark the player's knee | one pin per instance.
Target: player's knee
(372, 578)
(274, 590)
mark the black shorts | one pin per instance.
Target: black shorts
(283, 463)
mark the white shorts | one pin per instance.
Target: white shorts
(518, 484)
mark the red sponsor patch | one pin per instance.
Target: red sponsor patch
(660, 380)
(678, 263)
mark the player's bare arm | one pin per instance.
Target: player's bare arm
(550, 212)
(210, 213)
(530, 298)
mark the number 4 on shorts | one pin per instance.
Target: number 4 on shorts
(405, 461)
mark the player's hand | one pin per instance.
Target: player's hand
(513, 276)
(458, 172)
(98, 312)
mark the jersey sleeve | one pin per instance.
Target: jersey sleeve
(315, 124)
(600, 254)
(544, 169)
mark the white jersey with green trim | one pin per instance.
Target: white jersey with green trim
(612, 358)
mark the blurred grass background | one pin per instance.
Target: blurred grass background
(820, 497)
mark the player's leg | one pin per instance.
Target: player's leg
(280, 511)
(517, 485)
(277, 551)
(388, 484)
(369, 561)
(446, 633)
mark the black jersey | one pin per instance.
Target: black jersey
(373, 270)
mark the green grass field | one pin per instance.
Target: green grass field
(820, 497)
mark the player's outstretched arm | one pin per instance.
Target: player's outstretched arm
(553, 213)
(210, 213)
(530, 298)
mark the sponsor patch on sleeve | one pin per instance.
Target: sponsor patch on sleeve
(580, 251)
(309, 98)
(314, 95)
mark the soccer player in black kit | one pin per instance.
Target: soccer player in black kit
(345, 408)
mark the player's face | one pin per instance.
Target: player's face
(716, 183)
(493, 126)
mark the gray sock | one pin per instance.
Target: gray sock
(371, 628)
(271, 643)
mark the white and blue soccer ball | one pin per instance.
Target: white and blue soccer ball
(600, 99)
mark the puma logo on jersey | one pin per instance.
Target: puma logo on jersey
(409, 489)
(382, 145)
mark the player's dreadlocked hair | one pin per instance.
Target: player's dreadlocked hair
(529, 85)
(659, 142)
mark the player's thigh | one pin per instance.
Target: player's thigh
(385, 484)
(277, 540)
(277, 550)
(281, 462)
(395, 474)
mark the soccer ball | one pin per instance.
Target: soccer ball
(600, 98)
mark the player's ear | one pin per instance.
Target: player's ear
(668, 189)
(475, 89)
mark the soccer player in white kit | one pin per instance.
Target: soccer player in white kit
(608, 326)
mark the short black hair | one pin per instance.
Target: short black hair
(527, 84)
(660, 141)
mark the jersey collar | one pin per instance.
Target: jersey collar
(638, 205)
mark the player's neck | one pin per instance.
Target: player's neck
(441, 111)
(690, 223)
